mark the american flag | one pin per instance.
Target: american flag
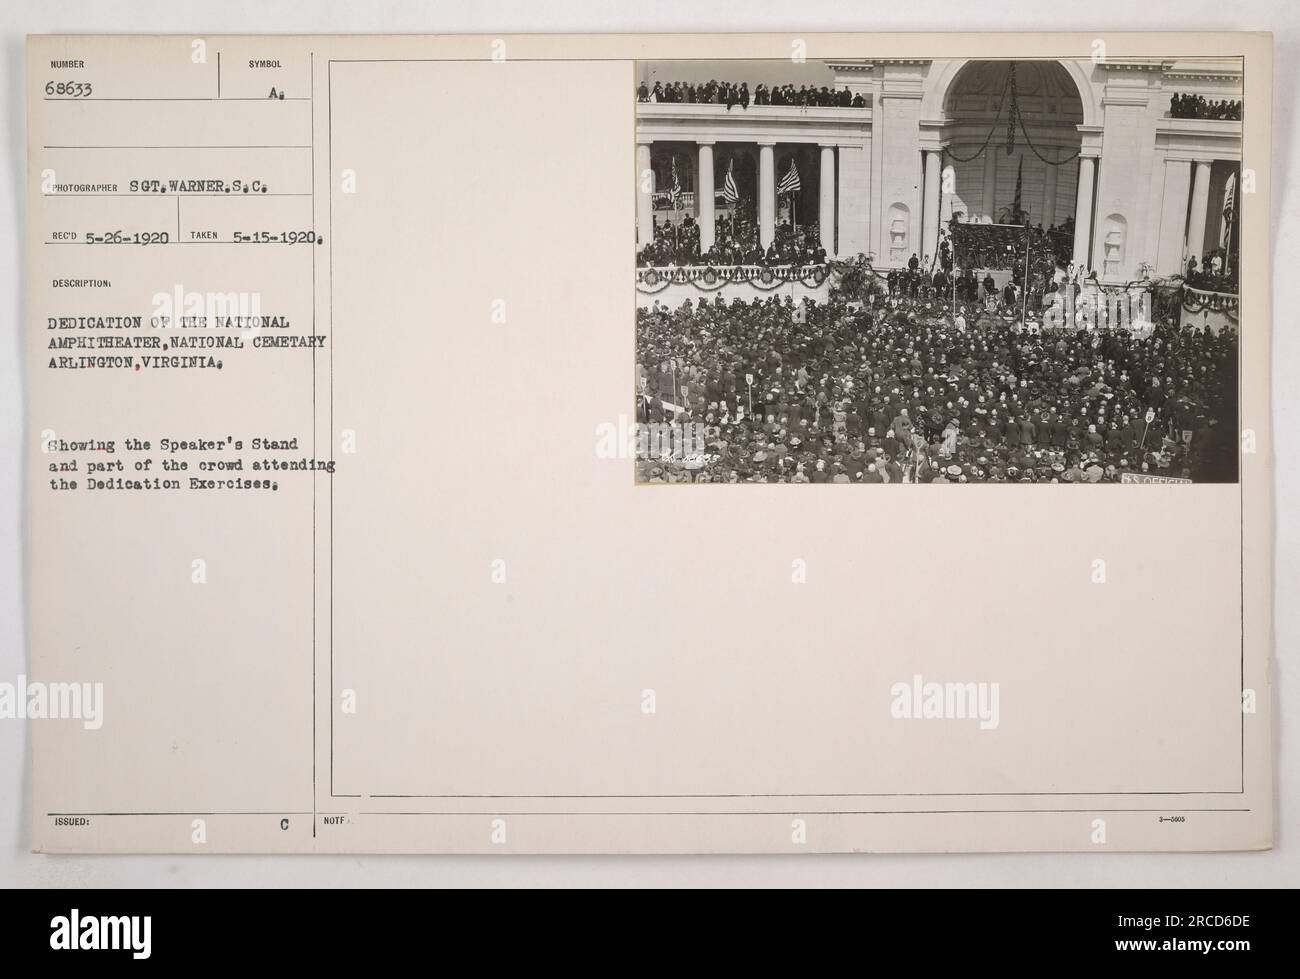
(790, 182)
(675, 191)
(730, 193)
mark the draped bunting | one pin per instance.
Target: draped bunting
(1015, 119)
(1198, 300)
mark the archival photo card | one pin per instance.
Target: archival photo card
(359, 365)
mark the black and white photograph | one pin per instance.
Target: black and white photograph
(946, 271)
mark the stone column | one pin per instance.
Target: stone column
(826, 198)
(988, 202)
(853, 200)
(704, 198)
(1049, 197)
(645, 217)
(930, 206)
(1200, 208)
(1083, 212)
(766, 194)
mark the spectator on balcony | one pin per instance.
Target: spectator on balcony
(1216, 273)
(1193, 106)
(731, 94)
(737, 96)
(735, 243)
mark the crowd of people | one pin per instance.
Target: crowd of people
(731, 94)
(922, 279)
(1216, 273)
(985, 246)
(1192, 106)
(735, 242)
(911, 390)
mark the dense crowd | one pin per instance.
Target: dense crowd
(731, 94)
(908, 392)
(1191, 106)
(735, 243)
(984, 246)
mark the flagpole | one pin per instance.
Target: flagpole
(1024, 300)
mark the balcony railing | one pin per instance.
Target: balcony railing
(663, 201)
(710, 278)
